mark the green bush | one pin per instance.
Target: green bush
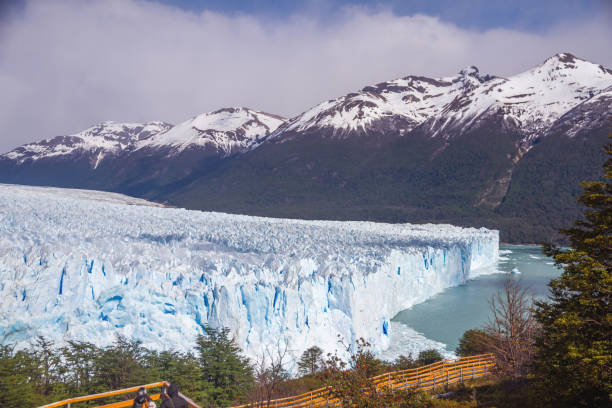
(473, 342)
(429, 357)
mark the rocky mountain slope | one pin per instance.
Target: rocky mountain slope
(470, 149)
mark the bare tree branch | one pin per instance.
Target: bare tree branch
(512, 329)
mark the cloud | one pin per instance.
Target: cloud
(67, 64)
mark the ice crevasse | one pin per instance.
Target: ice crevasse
(84, 265)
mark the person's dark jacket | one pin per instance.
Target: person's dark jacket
(141, 400)
(174, 401)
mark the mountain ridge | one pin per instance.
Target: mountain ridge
(414, 149)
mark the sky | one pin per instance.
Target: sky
(68, 64)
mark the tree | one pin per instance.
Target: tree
(181, 369)
(311, 361)
(350, 381)
(49, 366)
(121, 364)
(226, 374)
(404, 363)
(574, 362)
(473, 342)
(270, 373)
(16, 372)
(512, 329)
(429, 357)
(79, 367)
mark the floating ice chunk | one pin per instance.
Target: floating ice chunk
(408, 342)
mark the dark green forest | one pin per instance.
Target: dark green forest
(416, 180)
(215, 373)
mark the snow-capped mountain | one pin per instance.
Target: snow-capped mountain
(86, 265)
(227, 131)
(96, 142)
(223, 132)
(399, 105)
(530, 101)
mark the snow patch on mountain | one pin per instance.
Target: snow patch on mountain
(593, 113)
(228, 131)
(413, 99)
(540, 96)
(531, 101)
(86, 265)
(97, 142)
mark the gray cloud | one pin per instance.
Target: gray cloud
(65, 65)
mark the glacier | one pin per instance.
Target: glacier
(86, 265)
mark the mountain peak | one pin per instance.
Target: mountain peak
(569, 69)
(119, 130)
(232, 118)
(226, 130)
(471, 70)
(563, 57)
(567, 61)
(473, 75)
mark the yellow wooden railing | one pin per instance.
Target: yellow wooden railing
(127, 403)
(422, 378)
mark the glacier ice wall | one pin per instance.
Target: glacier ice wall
(85, 265)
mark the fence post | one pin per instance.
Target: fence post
(389, 381)
(461, 374)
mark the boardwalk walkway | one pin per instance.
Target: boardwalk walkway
(423, 378)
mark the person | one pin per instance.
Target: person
(142, 400)
(172, 399)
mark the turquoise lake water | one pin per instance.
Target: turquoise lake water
(447, 315)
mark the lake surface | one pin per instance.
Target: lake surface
(446, 316)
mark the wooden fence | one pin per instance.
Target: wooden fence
(422, 378)
(127, 403)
